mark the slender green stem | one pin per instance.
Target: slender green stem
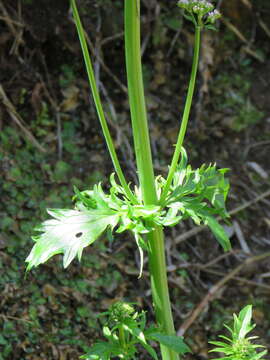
(122, 337)
(98, 104)
(186, 113)
(137, 101)
(158, 275)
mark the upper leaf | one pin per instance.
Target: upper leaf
(199, 194)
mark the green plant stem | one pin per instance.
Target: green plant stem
(137, 101)
(159, 286)
(122, 337)
(186, 113)
(155, 239)
(98, 104)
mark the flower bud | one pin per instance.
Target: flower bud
(184, 4)
(213, 16)
(121, 310)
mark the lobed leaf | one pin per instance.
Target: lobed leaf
(69, 233)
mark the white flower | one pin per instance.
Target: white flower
(213, 16)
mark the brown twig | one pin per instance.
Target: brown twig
(238, 33)
(104, 66)
(214, 289)
(112, 38)
(16, 33)
(5, 317)
(18, 120)
(264, 26)
(241, 238)
(247, 4)
(237, 278)
(7, 19)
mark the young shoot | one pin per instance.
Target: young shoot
(238, 346)
(125, 331)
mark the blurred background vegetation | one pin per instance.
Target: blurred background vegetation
(50, 140)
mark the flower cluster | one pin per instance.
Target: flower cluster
(213, 16)
(197, 6)
(202, 9)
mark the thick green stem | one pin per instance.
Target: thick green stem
(98, 104)
(159, 286)
(186, 113)
(159, 283)
(137, 101)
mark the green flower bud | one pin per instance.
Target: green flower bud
(184, 4)
(120, 311)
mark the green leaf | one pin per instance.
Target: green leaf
(258, 355)
(210, 27)
(219, 232)
(3, 341)
(85, 197)
(134, 330)
(190, 18)
(244, 320)
(173, 342)
(101, 351)
(69, 233)
(207, 185)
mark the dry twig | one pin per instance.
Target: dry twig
(104, 66)
(238, 33)
(18, 120)
(16, 33)
(214, 289)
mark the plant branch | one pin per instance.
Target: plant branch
(98, 104)
(186, 113)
